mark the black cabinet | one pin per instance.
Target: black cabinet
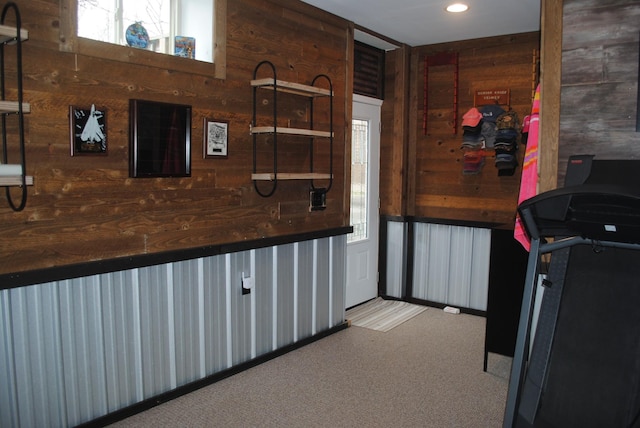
(507, 272)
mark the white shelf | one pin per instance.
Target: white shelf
(292, 88)
(269, 176)
(290, 131)
(8, 33)
(15, 180)
(13, 107)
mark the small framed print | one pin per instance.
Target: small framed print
(216, 138)
(88, 129)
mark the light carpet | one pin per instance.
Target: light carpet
(425, 373)
(382, 315)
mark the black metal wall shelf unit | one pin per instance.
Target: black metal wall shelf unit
(13, 174)
(312, 93)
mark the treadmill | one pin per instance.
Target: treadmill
(581, 366)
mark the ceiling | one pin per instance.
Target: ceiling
(425, 22)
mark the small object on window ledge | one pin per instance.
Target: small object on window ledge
(185, 47)
(137, 36)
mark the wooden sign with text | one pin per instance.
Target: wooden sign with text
(492, 96)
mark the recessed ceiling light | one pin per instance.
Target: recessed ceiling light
(457, 7)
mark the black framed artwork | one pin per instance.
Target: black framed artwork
(88, 130)
(160, 139)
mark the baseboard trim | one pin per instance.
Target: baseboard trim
(438, 305)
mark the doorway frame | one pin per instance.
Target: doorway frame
(373, 220)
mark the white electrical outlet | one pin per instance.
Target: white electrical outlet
(247, 284)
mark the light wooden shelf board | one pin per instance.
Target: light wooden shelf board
(8, 33)
(12, 107)
(15, 180)
(290, 131)
(269, 176)
(292, 88)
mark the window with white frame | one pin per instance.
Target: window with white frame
(359, 182)
(173, 27)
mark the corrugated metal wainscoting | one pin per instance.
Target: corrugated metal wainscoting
(396, 258)
(74, 350)
(437, 263)
(451, 265)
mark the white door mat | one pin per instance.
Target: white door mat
(383, 315)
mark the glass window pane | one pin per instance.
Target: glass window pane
(359, 181)
(97, 20)
(108, 20)
(191, 25)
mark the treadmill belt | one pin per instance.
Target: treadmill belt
(593, 376)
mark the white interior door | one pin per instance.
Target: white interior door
(362, 244)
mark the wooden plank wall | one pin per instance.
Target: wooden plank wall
(550, 79)
(86, 208)
(394, 132)
(599, 81)
(436, 187)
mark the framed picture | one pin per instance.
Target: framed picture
(88, 130)
(159, 139)
(216, 138)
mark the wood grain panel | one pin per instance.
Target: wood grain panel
(438, 186)
(598, 102)
(86, 208)
(394, 135)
